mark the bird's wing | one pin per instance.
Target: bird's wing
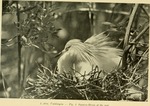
(83, 53)
(96, 39)
(102, 46)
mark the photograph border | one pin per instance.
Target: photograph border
(43, 102)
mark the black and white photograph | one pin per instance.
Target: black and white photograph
(74, 50)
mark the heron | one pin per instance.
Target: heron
(78, 58)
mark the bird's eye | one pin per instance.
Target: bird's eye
(67, 48)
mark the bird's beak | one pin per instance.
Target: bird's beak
(60, 53)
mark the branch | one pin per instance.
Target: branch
(141, 33)
(132, 16)
(9, 40)
(19, 50)
(135, 67)
(126, 39)
(147, 14)
(27, 9)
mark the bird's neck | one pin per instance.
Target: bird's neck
(65, 64)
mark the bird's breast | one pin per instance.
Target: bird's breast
(83, 67)
(65, 63)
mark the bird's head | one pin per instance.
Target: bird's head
(68, 45)
(71, 43)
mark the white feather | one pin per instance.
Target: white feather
(95, 51)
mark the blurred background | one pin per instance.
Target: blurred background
(35, 31)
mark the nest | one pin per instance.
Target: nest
(51, 85)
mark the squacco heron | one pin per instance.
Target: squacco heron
(78, 57)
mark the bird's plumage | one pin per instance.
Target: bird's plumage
(80, 57)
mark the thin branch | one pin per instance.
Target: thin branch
(137, 38)
(9, 40)
(141, 33)
(135, 67)
(132, 16)
(19, 49)
(126, 39)
(8, 45)
(28, 9)
(147, 14)
(85, 95)
(4, 86)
